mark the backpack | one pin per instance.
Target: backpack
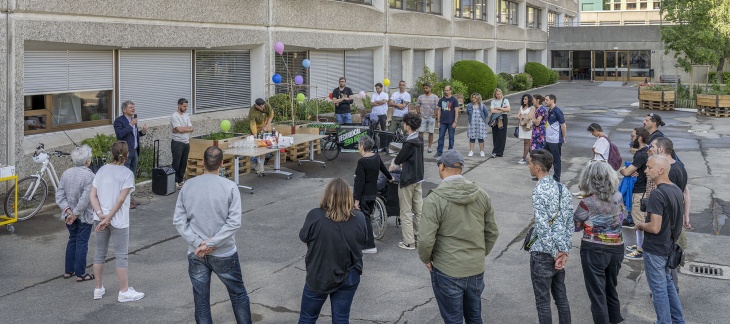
(614, 156)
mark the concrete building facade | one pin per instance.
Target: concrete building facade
(68, 64)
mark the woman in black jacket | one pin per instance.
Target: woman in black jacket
(366, 185)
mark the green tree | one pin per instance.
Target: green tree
(700, 35)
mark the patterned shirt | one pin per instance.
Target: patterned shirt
(545, 199)
(73, 192)
(600, 220)
(427, 105)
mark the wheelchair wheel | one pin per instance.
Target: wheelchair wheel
(379, 218)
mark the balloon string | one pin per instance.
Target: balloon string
(291, 87)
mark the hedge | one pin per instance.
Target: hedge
(725, 77)
(503, 84)
(541, 75)
(477, 76)
(521, 82)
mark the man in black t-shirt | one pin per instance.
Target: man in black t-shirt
(640, 138)
(341, 99)
(663, 227)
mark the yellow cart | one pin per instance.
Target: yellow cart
(4, 219)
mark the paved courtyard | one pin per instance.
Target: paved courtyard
(395, 286)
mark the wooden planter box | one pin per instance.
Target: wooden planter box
(199, 145)
(659, 100)
(299, 128)
(713, 105)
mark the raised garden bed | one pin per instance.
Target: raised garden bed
(713, 105)
(199, 144)
(656, 99)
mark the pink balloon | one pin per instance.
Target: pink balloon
(362, 94)
(279, 48)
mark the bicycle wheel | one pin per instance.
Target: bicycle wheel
(29, 201)
(330, 150)
(379, 218)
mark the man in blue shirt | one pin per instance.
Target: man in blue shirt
(555, 133)
(447, 114)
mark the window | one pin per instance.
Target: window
(368, 2)
(533, 17)
(640, 64)
(552, 18)
(630, 6)
(52, 112)
(568, 21)
(293, 60)
(657, 5)
(471, 9)
(222, 80)
(643, 5)
(425, 6)
(507, 12)
(617, 6)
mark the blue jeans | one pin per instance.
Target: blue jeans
(132, 161)
(340, 301)
(667, 306)
(459, 299)
(228, 270)
(77, 247)
(442, 131)
(555, 149)
(344, 118)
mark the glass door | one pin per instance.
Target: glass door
(611, 73)
(599, 66)
(622, 66)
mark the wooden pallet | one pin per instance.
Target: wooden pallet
(657, 105)
(300, 151)
(196, 167)
(713, 111)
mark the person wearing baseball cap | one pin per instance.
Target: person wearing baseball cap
(261, 114)
(652, 122)
(459, 215)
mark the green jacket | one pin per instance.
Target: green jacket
(457, 228)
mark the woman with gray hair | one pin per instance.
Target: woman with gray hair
(72, 196)
(599, 216)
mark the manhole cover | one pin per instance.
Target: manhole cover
(706, 270)
(696, 131)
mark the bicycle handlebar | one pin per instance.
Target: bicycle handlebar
(59, 153)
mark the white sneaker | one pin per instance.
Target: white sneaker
(370, 251)
(259, 168)
(522, 161)
(482, 154)
(471, 153)
(98, 293)
(129, 295)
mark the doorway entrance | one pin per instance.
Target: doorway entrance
(632, 66)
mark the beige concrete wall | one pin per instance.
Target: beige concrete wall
(406, 22)
(327, 15)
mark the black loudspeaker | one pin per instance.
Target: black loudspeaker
(163, 178)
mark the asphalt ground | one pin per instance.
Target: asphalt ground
(395, 286)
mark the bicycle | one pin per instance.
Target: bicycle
(332, 145)
(33, 190)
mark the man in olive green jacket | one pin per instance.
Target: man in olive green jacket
(456, 232)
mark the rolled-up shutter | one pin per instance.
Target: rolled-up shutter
(469, 55)
(155, 80)
(67, 71)
(439, 64)
(458, 55)
(419, 61)
(534, 56)
(396, 65)
(222, 80)
(327, 67)
(508, 61)
(359, 70)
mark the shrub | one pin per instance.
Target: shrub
(457, 88)
(281, 103)
(427, 77)
(506, 76)
(503, 84)
(101, 145)
(540, 74)
(477, 76)
(554, 77)
(241, 125)
(725, 77)
(145, 163)
(522, 82)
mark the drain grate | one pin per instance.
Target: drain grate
(696, 131)
(707, 270)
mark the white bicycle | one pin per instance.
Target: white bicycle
(33, 190)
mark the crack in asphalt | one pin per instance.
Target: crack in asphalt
(403, 292)
(516, 239)
(289, 265)
(412, 309)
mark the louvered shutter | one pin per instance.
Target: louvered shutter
(507, 61)
(327, 67)
(155, 80)
(470, 55)
(67, 71)
(396, 65)
(359, 70)
(534, 56)
(458, 55)
(222, 80)
(439, 64)
(419, 61)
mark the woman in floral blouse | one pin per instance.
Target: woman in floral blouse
(538, 124)
(599, 216)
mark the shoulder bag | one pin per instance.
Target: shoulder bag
(495, 118)
(531, 237)
(676, 254)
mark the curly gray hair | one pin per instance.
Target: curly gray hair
(81, 155)
(598, 178)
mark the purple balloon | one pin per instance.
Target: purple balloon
(279, 48)
(298, 79)
(362, 94)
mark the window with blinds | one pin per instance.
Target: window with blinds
(396, 65)
(507, 61)
(359, 70)
(327, 67)
(292, 59)
(439, 63)
(419, 62)
(222, 80)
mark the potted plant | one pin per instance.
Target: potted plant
(716, 103)
(656, 97)
(101, 146)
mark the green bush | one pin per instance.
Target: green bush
(506, 76)
(427, 77)
(503, 84)
(477, 76)
(522, 82)
(145, 163)
(725, 77)
(281, 103)
(457, 88)
(540, 74)
(101, 145)
(241, 125)
(553, 77)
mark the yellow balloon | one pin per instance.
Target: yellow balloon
(386, 82)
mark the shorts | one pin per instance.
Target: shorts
(428, 125)
(636, 212)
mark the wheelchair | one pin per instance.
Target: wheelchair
(386, 204)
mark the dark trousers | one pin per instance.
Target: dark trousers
(382, 121)
(340, 301)
(77, 247)
(228, 270)
(555, 149)
(547, 280)
(367, 205)
(443, 128)
(180, 153)
(499, 137)
(600, 272)
(459, 299)
(132, 160)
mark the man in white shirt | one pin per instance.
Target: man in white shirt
(399, 101)
(601, 147)
(180, 144)
(379, 101)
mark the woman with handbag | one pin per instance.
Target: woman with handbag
(599, 216)
(476, 113)
(335, 234)
(500, 108)
(524, 130)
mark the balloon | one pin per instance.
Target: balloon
(306, 63)
(362, 94)
(225, 125)
(298, 79)
(386, 82)
(330, 95)
(276, 78)
(301, 97)
(279, 48)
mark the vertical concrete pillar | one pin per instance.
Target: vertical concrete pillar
(521, 59)
(407, 63)
(480, 55)
(561, 20)
(260, 69)
(431, 59)
(544, 57)
(544, 19)
(448, 61)
(379, 59)
(492, 58)
(522, 14)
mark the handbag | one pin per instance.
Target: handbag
(530, 237)
(676, 254)
(517, 131)
(496, 118)
(642, 203)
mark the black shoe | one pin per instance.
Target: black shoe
(437, 154)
